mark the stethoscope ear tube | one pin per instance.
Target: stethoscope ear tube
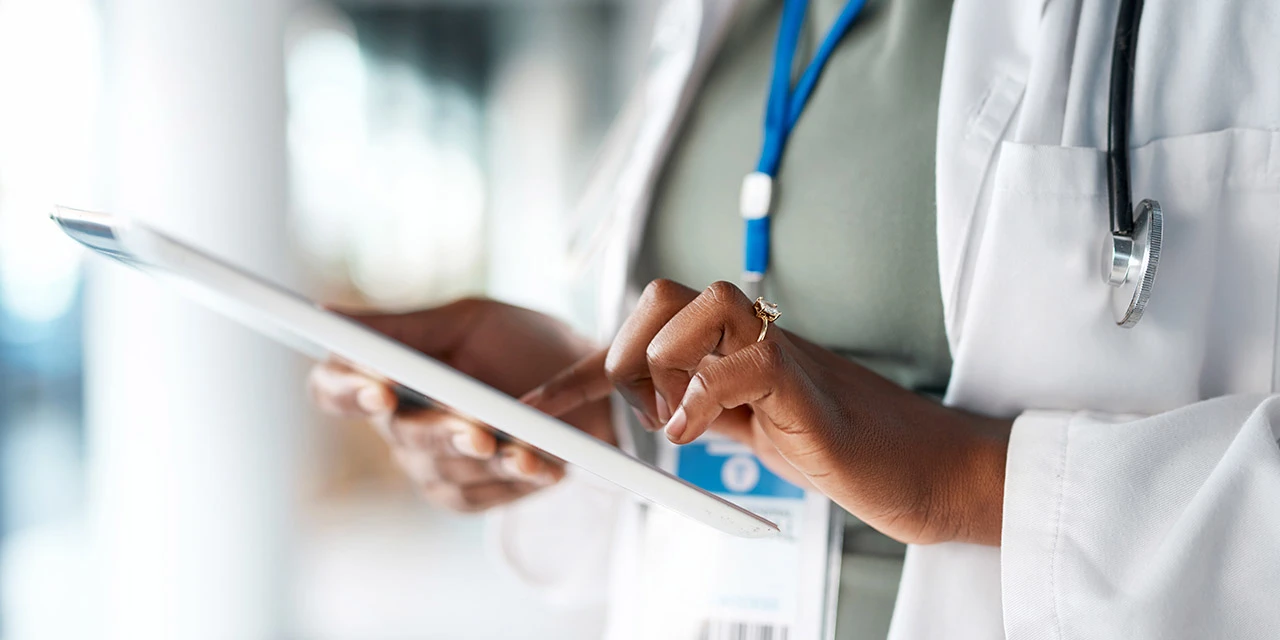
(1131, 255)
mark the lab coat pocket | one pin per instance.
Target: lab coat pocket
(1039, 331)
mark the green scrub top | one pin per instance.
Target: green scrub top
(854, 264)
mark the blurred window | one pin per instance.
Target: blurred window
(435, 150)
(384, 155)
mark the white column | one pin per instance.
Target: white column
(192, 420)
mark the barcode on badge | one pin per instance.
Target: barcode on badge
(730, 630)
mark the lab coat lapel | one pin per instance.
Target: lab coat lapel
(687, 36)
(983, 80)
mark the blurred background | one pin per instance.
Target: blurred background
(161, 472)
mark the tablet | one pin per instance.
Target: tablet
(322, 334)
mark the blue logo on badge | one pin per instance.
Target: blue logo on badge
(721, 466)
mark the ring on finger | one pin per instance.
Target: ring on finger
(768, 314)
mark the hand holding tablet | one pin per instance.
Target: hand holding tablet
(330, 336)
(453, 462)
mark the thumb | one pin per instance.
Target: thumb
(762, 375)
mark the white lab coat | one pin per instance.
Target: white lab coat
(1142, 495)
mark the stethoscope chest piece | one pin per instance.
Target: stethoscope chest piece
(1129, 263)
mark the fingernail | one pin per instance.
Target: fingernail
(676, 425)
(664, 412)
(372, 400)
(464, 444)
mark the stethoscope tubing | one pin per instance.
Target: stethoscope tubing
(1123, 59)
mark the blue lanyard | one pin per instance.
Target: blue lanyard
(781, 114)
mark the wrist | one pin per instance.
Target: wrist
(938, 477)
(974, 483)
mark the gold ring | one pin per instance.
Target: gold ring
(768, 314)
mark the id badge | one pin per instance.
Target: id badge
(690, 582)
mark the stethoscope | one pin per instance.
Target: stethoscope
(1131, 253)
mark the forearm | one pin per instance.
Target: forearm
(948, 464)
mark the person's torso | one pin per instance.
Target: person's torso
(853, 263)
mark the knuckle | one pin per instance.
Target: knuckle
(723, 292)
(700, 384)
(660, 289)
(656, 354)
(613, 365)
(770, 355)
